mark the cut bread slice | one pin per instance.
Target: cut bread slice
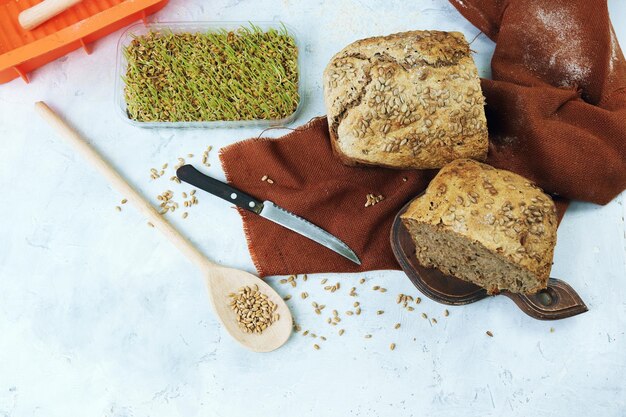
(485, 225)
(460, 257)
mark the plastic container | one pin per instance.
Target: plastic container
(22, 51)
(195, 27)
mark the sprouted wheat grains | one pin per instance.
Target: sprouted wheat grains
(246, 74)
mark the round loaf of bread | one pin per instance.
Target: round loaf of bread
(408, 100)
(484, 225)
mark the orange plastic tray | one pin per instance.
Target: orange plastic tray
(22, 51)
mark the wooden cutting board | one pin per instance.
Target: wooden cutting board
(558, 301)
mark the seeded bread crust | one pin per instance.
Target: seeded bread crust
(407, 100)
(501, 211)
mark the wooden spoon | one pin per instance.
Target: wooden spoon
(40, 12)
(220, 280)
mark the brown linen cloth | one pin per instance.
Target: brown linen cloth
(556, 114)
(310, 182)
(556, 107)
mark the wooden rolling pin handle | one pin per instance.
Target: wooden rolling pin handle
(120, 184)
(39, 13)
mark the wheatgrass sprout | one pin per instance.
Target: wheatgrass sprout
(246, 74)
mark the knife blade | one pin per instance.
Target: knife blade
(266, 209)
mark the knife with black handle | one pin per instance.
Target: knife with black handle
(266, 209)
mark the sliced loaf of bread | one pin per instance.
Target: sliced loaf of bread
(484, 225)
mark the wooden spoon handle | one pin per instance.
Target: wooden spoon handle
(39, 13)
(94, 158)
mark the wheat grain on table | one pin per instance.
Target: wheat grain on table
(100, 316)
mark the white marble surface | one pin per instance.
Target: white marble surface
(100, 316)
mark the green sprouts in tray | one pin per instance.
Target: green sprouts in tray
(246, 74)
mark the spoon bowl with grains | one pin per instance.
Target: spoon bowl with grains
(251, 311)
